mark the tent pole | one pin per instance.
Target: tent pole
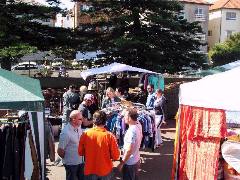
(29, 68)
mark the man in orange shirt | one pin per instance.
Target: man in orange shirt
(99, 147)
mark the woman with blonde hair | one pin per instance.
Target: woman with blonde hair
(110, 98)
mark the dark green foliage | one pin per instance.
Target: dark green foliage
(20, 30)
(145, 33)
(226, 52)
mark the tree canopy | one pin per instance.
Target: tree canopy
(22, 33)
(143, 33)
(226, 52)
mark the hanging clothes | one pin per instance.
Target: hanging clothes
(8, 158)
(200, 132)
(157, 81)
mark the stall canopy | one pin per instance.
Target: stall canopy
(23, 93)
(219, 91)
(215, 70)
(111, 68)
(202, 124)
(20, 92)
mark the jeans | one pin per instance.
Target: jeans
(74, 172)
(96, 177)
(130, 172)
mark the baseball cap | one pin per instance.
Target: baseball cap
(88, 97)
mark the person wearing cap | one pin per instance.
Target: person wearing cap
(130, 162)
(68, 147)
(99, 147)
(84, 109)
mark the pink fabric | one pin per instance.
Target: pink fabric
(201, 130)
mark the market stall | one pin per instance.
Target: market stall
(24, 94)
(115, 122)
(157, 79)
(202, 124)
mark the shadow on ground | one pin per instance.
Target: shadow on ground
(157, 165)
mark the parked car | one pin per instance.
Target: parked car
(25, 68)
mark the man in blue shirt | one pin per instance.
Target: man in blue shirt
(150, 97)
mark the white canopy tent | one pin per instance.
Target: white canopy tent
(114, 67)
(201, 125)
(218, 91)
(231, 65)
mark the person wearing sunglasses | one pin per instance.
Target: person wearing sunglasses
(68, 147)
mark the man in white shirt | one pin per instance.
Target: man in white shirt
(68, 147)
(132, 140)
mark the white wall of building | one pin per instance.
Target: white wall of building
(190, 10)
(214, 27)
(64, 21)
(229, 26)
(221, 27)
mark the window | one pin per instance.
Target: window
(229, 33)
(199, 14)
(86, 8)
(209, 33)
(199, 11)
(231, 16)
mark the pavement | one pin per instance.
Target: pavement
(155, 165)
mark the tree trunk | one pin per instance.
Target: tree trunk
(6, 64)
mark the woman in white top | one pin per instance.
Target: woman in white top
(160, 114)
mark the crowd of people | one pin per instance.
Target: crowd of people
(86, 146)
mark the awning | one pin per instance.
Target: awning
(219, 91)
(111, 68)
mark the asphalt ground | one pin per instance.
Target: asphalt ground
(155, 165)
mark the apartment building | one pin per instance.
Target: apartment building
(197, 10)
(81, 18)
(224, 20)
(65, 21)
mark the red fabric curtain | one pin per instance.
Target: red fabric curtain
(200, 131)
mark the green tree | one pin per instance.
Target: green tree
(226, 52)
(144, 33)
(19, 29)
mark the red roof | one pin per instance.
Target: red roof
(226, 4)
(195, 1)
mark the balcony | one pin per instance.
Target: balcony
(200, 17)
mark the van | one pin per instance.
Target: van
(25, 68)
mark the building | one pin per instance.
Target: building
(65, 21)
(224, 20)
(197, 10)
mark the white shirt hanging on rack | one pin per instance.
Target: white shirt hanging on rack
(28, 159)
